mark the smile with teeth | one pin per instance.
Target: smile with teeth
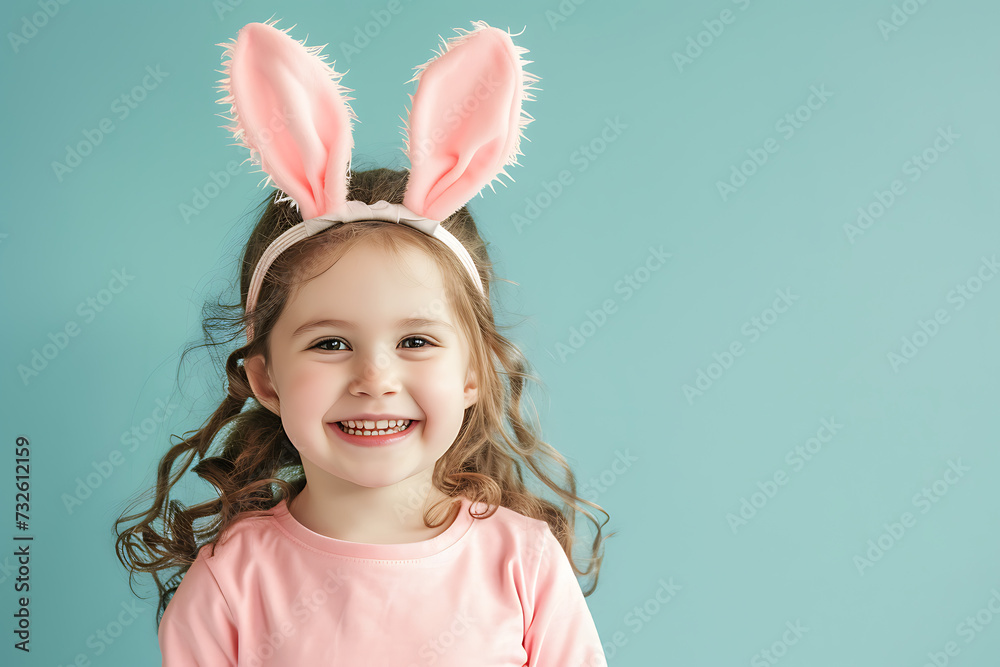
(382, 427)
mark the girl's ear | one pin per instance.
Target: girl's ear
(260, 382)
(471, 388)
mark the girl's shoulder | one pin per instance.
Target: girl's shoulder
(512, 518)
(516, 531)
(243, 535)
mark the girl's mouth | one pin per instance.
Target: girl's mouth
(358, 428)
(394, 432)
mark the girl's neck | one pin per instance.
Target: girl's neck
(373, 516)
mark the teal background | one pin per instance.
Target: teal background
(620, 394)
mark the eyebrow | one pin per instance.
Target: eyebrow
(407, 323)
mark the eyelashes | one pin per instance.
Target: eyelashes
(426, 343)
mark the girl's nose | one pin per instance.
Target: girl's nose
(376, 375)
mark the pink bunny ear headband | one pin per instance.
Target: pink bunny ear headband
(289, 109)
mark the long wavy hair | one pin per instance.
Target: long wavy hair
(254, 468)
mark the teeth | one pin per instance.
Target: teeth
(380, 427)
(373, 425)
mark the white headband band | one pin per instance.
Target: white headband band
(355, 211)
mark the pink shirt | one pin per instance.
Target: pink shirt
(486, 593)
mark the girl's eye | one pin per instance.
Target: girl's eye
(325, 341)
(336, 341)
(421, 339)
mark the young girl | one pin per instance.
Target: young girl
(372, 507)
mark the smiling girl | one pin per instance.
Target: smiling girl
(372, 506)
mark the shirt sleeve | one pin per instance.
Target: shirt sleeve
(197, 627)
(561, 630)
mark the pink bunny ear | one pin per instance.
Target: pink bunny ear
(466, 122)
(290, 110)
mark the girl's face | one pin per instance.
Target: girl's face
(343, 347)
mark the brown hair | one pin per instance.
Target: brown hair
(484, 463)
